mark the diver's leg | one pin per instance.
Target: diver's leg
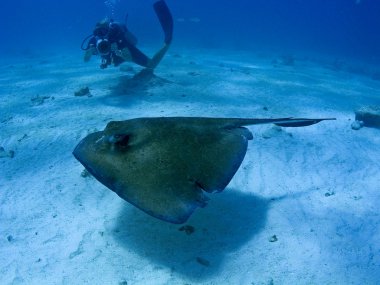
(138, 57)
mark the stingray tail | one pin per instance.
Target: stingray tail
(282, 122)
(300, 122)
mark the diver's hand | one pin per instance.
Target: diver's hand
(104, 63)
(88, 53)
(87, 56)
(124, 54)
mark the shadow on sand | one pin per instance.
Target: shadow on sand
(130, 90)
(228, 222)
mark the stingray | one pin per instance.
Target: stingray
(164, 166)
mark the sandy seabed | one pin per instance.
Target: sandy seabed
(303, 207)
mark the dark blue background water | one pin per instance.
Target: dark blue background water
(338, 27)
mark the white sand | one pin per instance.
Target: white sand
(57, 227)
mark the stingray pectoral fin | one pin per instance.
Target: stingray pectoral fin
(218, 161)
(300, 122)
(170, 204)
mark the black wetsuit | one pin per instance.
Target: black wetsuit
(118, 34)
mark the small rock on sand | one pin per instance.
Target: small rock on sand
(357, 125)
(369, 115)
(85, 91)
(275, 130)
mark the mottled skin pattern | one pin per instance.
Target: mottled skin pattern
(164, 165)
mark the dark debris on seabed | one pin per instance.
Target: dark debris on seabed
(85, 173)
(187, 229)
(203, 261)
(4, 153)
(273, 238)
(85, 91)
(39, 100)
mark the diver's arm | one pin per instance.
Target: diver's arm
(90, 50)
(88, 53)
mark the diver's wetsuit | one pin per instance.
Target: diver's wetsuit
(118, 34)
(122, 43)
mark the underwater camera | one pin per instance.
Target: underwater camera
(103, 46)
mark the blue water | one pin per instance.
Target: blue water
(347, 28)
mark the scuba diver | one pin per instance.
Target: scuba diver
(116, 44)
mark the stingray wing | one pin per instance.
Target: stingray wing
(163, 171)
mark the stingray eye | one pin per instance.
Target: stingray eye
(120, 140)
(115, 138)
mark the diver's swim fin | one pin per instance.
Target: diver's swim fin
(166, 21)
(156, 59)
(165, 18)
